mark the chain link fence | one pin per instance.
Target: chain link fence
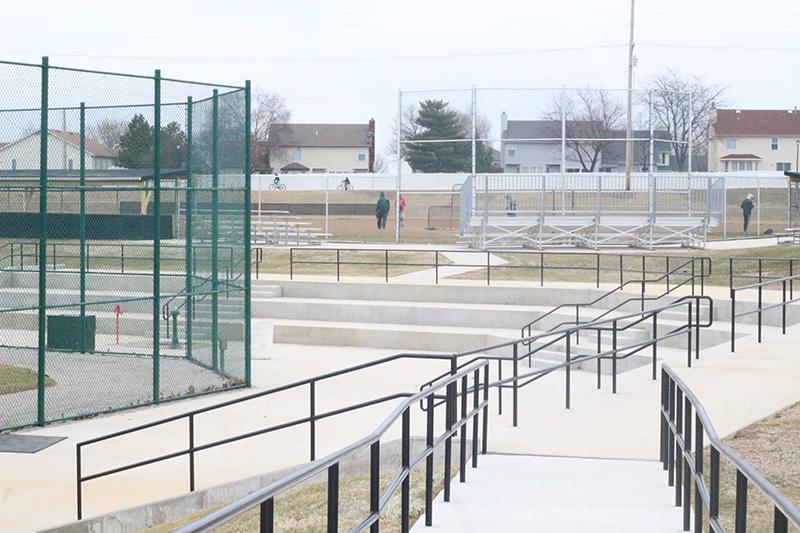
(124, 242)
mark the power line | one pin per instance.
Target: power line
(336, 59)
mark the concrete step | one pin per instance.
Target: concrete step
(412, 312)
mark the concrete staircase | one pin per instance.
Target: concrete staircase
(447, 318)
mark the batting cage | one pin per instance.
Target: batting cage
(124, 241)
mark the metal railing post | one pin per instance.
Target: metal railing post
(689, 337)
(191, 453)
(337, 264)
(568, 361)
(783, 308)
(386, 265)
(741, 503)
(266, 518)
(484, 445)
(462, 458)
(215, 363)
(82, 224)
(687, 471)
(291, 263)
(333, 498)
(698, 472)
(614, 358)
(476, 380)
(429, 463)
(436, 266)
(733, 320)
(405, 464)
(672, 437)
(713, 506)
(515, 386)
(248, 237)
(655, 343)
(312, 420)
(662, 419)
(374, 484)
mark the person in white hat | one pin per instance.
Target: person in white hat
(747, 209)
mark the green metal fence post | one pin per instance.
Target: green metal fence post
(246, 233)
(43, 133)
(188, 229)
(156, 235)
(214, 231)
(82, 222)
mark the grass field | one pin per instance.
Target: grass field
(771, 446)
(303, 509)
(16, 379)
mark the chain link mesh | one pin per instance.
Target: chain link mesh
(112, 298)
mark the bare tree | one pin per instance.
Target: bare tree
(268, 108)
(410, 129)
(672, 93)
(108, 132)
(592, 116)
(380, 166)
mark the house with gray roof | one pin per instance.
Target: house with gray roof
(534, 147)
(321, 148)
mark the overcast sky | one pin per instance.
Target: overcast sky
(344, 60)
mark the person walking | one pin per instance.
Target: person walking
(382, 211)
(747, 209)
(402, 209)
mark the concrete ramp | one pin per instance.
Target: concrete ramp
(523, 493)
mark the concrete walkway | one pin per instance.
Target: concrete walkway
(471, 262)
(512, 493)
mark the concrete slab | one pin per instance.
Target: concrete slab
(554, 494)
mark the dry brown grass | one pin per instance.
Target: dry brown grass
(771, 446)
(303, 509)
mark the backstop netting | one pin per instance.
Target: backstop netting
(124, 242)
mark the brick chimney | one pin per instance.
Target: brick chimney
(371, 140)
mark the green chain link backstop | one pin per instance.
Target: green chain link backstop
(124, 241)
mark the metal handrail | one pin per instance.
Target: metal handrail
(598, 268)
(528, 328)
(689, 327)
(684, 462)
(264, 497)
(760, 303)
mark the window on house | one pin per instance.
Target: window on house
(362, 155)
(740, 166)
(512, 152)
(663, 159)
(571, 170)
(297, 154)
(774, 143)
(730, 144)
(606, 169)
(783, 167)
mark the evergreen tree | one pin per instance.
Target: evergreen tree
(136, 144)
(436, 121)
(173, 147)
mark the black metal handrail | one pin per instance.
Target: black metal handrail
(693, 324)
(684, 462)
(189, 416)
(615, 353)
(527, 329)
(760, 307)
(740, 268)
(455, 423)
(598, 268)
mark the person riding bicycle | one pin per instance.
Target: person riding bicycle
(346, 183)
(276, 181)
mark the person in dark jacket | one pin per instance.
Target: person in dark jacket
(382, 211)
(747, 209)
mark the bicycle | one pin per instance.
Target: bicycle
(343, 186)
(277, 187)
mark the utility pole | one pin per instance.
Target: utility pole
(629, 129)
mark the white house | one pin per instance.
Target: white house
(320, 148)
(63, 152)
(753, 139)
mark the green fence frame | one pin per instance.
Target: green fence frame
(190, 293)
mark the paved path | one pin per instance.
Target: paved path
(472, 261)
(555, 494)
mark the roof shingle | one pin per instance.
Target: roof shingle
(319, 135)
(772, 122)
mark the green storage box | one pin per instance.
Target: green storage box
(64, 333)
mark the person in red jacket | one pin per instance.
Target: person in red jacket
(402, 209)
